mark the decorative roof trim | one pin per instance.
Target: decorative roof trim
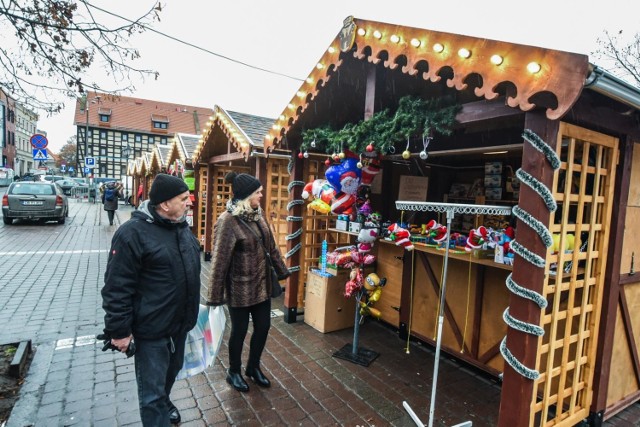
(234, 133)
(561, 74)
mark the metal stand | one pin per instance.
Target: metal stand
(351, 352)
(451, 209)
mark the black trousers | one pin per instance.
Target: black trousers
(110, 214)
(261, 316)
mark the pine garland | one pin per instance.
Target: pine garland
(414, 117)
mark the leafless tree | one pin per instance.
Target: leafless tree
(48, 47)
(622, 57)
(68, 154)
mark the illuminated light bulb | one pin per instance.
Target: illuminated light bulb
(423, 155)
(274, 127)
(496, 59)
(406, 154)
(319, 66)
(377, 34)
(331, 49)
(438, 47)
(533, 67)
(291, 106)
(415, 42)
(282, 117)
(211, 118)
(362, 31)
(309, 80)
(464, 53)
(301, 94)
(395, 39)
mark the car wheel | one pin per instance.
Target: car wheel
(61, 220)
(7, 220)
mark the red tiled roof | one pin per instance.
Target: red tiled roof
(135, 114)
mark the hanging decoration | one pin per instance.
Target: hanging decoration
(530, 256)
(414, 117)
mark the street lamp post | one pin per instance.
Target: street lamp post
(125, 153)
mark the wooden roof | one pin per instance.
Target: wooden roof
(245, 132)
(137, 114)
(426, 57)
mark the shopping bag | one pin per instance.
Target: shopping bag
(203, 341)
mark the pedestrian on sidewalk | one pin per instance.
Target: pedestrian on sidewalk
(111, 193)
(241, 276)
(151, 294)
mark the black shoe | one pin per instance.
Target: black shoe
(236, 380)
(174, 415)
(257, 376)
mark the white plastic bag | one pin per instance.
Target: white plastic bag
(203, 341)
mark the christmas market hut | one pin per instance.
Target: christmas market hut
(504, 171)
(232, 141)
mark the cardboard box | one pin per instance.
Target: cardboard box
(325, 307)
(342, 224)
(492, 181)
(354, 227)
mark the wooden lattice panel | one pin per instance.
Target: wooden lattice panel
(583, 188)
(277, 196)
(221, 195)
(202, 205)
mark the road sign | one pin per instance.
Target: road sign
(63, 168)
(90, 162)
(39, 141)
(87, 171)
(40, 154)
(71, 169)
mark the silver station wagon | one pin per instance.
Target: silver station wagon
(43, 201)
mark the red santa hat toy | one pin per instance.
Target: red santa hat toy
(437, 232)
(400, 236)
(477, 237)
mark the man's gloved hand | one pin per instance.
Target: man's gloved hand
(106, 339)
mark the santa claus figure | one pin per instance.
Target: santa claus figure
(400, 236)
(436, 232)
(477, 238)
(320, 189)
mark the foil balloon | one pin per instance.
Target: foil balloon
(345, 177)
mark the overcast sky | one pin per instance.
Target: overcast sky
(289, 36)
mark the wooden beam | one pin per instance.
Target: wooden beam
(370, 96)
(523, 346)
(208, 226)
(293, 283)
(226, 158)
(479, 111)
(611, 298)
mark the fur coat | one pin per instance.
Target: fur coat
(239, 269)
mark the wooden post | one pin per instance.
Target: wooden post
(293, 283)
(517, 391)
(370, 97)
(208, 226)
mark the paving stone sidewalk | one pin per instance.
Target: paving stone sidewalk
(50, 293)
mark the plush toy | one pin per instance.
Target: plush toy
(319, 189)
(508, 235)
(436, 232)
(477, 237)
(400, 236)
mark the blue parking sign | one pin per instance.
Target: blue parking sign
(87, 170)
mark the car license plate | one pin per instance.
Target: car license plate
(32, 202)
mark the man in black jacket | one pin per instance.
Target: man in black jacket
(151, 293)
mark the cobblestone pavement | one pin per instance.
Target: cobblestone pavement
(50, 281)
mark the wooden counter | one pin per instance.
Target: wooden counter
(476, 298)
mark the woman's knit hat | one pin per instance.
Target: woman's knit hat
(243, 185)
(166, 187)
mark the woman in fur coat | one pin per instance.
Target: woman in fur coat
(241, 275)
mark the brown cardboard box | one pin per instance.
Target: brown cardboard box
(325, 307)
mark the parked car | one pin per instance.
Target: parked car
(44, 201)
(67, 185)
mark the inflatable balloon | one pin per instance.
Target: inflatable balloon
(319, 206)
(319, 189)
(345, 177)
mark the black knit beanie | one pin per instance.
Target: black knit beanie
(166, 187)
(243, 185)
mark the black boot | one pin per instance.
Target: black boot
(174, 414)
(236, 380)
(257, 376)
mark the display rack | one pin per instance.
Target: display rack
(450, 209)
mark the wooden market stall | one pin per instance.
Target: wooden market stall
(232, 141)
(482, 121)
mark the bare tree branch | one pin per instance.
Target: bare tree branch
(49, 47)
(624, 59)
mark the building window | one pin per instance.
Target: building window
(163, 140)
(103, 134)
(138, 138)
(160, 125)
(104, 117)
(152, 140)
(125, 137)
